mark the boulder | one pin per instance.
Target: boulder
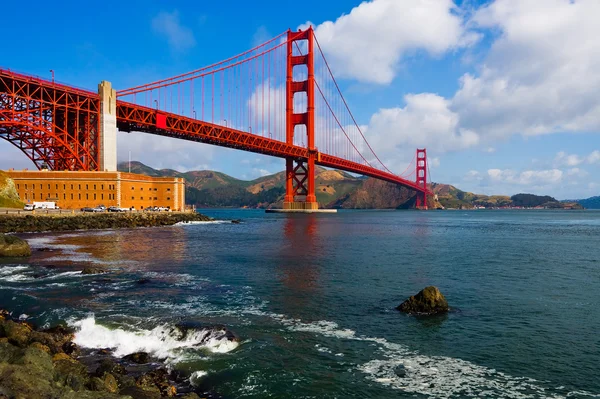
(106, 383)
(93, 270)
(17, 333)
(400, 371)
(13, 246)
(156, 381)
(427, 302)
(140, 393)
(138, 357)
(110, 366)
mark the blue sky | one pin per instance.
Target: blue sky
(502, 93)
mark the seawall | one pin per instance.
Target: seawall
(93, 221)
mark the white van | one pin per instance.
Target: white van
(29, 207)
(45, 205)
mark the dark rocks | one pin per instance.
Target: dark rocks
(139, 393)
(138, 357)
(110, 366)
(93, 270)
(106, 383)
(428, 301)
(69, 372)
(157, 381)
(13, 246)
(104, 351)
(236, 221)
(143, 281)
(400, 371)
(45, 249)
(93, 221)
(17, 333)
(42, 364)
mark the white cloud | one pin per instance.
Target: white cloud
(541, 73)
(426, 120)
(576, 172)
(167, 24)
(368, 43)
(594, 157)
(261, 35)
(564, 159)
(473, 175)
(164, 152)
(528, 177)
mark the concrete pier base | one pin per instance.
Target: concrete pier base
(301, 210)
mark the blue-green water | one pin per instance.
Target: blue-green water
(312, 299)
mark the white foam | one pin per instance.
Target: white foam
(433, 376)
(163, 342)
(196, 376)
(197, 222)
(6, 270)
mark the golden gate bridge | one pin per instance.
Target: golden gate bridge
(279, 99)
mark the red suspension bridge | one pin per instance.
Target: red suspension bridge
(279, 98)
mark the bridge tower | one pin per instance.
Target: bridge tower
(300, 173)
(421, 174)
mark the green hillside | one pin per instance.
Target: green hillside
(334, 189)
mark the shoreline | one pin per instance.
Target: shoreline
(38, 223)
(48, 362)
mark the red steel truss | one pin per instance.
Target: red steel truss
(55, 125)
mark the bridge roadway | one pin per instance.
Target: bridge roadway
(35, 95)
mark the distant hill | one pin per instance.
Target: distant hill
(590, 203)
(334, 189)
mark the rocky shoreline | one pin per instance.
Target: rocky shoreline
(48, 364)
(93, 221)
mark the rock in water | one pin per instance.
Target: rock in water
(138, 357)
(93, 270)
(13, 246)
(428, 301)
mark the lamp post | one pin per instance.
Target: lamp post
(156, 102)
(52, 71)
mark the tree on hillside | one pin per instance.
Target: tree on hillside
(531, 200)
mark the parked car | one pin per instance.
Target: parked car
(87, 209)
(114, 209)
(29, 207)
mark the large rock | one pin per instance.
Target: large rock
(428, 301)
(93, 270)
(13, 246)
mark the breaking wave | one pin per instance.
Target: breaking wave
(164, 342)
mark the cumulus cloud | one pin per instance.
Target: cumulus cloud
(164, 152)
(528, 177)
(540, 75)
(178, 36)
(564, 159)
(368, 43)
(426, 120)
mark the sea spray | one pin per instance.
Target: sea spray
(165, 342)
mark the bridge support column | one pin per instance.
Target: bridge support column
(108, 127)
(300, 173)
(421, 202)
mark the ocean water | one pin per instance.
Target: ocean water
(312, 299)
